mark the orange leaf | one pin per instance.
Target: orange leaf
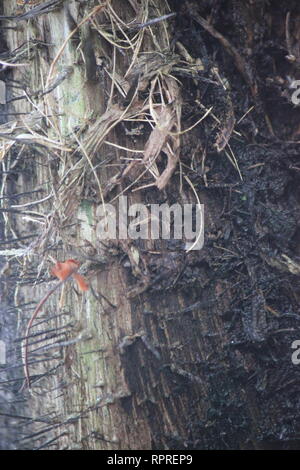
(82, 285)
(63, 270)
(68, 268)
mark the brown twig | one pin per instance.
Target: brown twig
(136, 27)
(44, 7)
(36, 311)
(240, 62)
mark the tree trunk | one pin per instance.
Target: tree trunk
(169, 348)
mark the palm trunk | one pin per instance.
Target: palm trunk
(168, 349)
